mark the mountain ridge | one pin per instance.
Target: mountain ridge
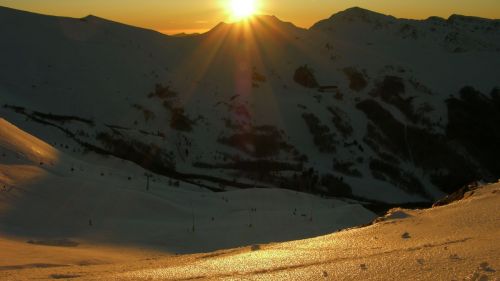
(353, 12)
(341, 111)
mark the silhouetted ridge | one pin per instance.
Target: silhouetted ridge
(470, 19)
(270, 21)
(354, 14)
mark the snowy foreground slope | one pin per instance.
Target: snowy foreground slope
(50, 197)
(453, 242)
(360, 105)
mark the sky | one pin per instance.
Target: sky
(176, 16)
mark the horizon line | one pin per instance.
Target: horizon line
(193, 31)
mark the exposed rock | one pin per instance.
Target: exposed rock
(304, 76)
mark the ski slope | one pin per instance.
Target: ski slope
(454, 242)
(47, 195)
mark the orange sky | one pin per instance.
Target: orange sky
(175, 16)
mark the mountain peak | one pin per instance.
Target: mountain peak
(273, 21)
(89, 18)
(265, 17)
(360, 13)
(93, 18)
(353, 14)
(264, 21)
(356, 11)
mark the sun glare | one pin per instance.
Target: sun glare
(241, 9)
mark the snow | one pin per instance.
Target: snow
(97, 69)
(454, 242)
(25, 146)
(105, 200)
(91, 216)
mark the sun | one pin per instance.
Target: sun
(241, 9)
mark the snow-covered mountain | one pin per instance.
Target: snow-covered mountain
(361, 105)
(51, 196)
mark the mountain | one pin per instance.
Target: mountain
(457, 34)
(361, 105)
(54, 199)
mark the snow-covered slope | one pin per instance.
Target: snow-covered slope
(454, 242)
(360, 105)
(49, 196)
(26, 148)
